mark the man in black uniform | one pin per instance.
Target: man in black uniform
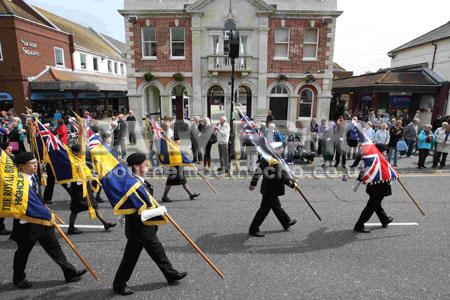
(272, 186)
(142, 236)
(27, 234)
(376, 192)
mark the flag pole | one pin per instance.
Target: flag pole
(205, 180)
(69, 242)
(192, 243)
(307, 202)
(411, 197)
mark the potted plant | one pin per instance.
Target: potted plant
(178, 77)
(282, 77)
(149, 76)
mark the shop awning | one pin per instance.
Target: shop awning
(65, 79)
(418, 80)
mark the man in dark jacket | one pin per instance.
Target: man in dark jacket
(272, 186)
(27, 234)
(131, 122)
(376, 192)
(142, 236)
(121, 133)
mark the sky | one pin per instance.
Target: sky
(366, 31)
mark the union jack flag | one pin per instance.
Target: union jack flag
(93, 139)
(157, 130)
(376, 168)
(51, 141)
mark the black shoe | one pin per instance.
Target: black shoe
(166, 199)
(257, 233)
(389, 220)
(193, 196)
(361, 230)
(77, 276)
(173, 280)
(124, 291)
(292, 222)
(74, 231)
(109, 225)
(219, 169)
(4, 231)
(23, 284)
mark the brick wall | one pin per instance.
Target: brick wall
(296, 64)
(164, 62)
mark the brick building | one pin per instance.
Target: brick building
(177, 56)
(49, 63)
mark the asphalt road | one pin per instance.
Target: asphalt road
(314, 260)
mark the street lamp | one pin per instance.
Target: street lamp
(233, 54)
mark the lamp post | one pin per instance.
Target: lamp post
(233, 54)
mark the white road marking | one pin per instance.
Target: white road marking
(394, 224)
(85, 226)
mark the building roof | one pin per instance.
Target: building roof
(65, 79)
(116, 43)
(440, 33)
(84, 37)
(23, 11)
(390, 78)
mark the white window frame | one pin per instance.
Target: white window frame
(116, 68)
(300, 103)
(122, 69)
(184, 45)
(282, 43)
(63, 59)
(310, 43)
(150, 42)
(109, 66)
(85, 61)
(1, 52)
(93, 64)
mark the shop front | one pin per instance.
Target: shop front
(6, 101)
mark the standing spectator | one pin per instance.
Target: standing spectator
(207, 139)
(328, 147)
(122, 133)
(396, 134)
(223, 137)
(410, 133)
(269, 118)
(292, 145)
(14, 137)
(368, 131)
(320, 133)
(340, 143)
(443, 146)
(382, 138)
(426, 140)
(62, 132)
(313, 128)
(194, 136)
(372, 117)
(131, 122)
(248, 143)
(353, 138)
(273, 135)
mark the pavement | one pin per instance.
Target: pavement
(313, 260)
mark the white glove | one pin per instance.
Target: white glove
(152, 213)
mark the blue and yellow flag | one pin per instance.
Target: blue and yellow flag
(125, 192)
(17, 199)
(169, 152)
(66, 166)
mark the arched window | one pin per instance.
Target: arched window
(279, 90)
(306, 103)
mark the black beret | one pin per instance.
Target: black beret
(136, 159)
(4, 145)
(23, 158)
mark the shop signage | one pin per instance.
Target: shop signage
(51, 96)
(399, 101)
(5, 96)
(117, 94)
(91, 95)
(28, 48)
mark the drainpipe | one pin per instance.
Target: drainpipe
(434, 55)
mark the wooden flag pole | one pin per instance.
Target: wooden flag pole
(69, 242)
(309, 204)
(205, 180)
(199, 251)
(411, 197)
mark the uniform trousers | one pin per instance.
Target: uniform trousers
(269, 202)
(373, 206)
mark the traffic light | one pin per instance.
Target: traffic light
(234, 44)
